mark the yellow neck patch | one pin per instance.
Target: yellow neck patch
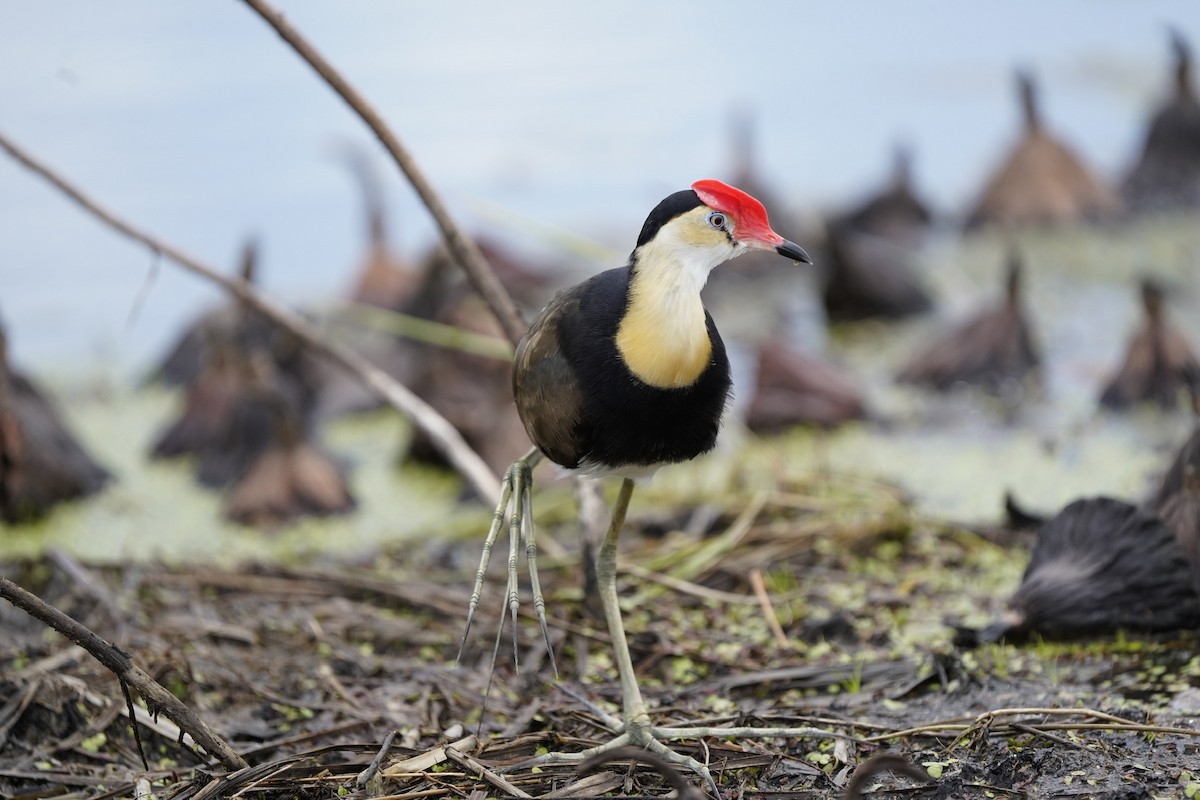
(663, 338)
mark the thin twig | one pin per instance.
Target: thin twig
(1034, 731)
(687, 587)
(764, 600)
(158, 699)
(130, 708)
(422, 762)
(82, 577)
(990, 790)
(706, 557)
(963, 726)
(139, 300)
(442, 433)
(608, 720)
(368, 774)
(427, 331)
(465, 761)
(461, 247)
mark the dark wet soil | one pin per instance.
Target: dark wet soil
(306, 670)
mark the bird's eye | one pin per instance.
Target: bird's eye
(716, 220)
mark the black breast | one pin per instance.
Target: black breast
(625, 421)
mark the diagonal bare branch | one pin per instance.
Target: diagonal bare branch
(461, 247)
(158, 700)
(442, 433)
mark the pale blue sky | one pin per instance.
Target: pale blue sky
(195, 121)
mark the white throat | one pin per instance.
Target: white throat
(664, 336)
(682, 261)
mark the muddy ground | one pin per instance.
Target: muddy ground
(306, 670)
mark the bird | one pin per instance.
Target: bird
(995, 349)
(871, 267)
(795, 387)
(204, 418)
(237, 326)
(1101, 565)
(1041, 181)
(618, 376)
(1160, 362)
(383, 279)
(290, 476)
(896, 211)
(41, 461)
(1177, 501)
(186, 359)
(471, 391)
(870, 276)
(1167, 172)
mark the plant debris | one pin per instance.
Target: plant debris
(337, 679)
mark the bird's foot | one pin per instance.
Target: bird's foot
(637, 733)
(515, 506)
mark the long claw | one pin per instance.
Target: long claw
(487, 691)
(493, 532)
(514, 544)
(525, 500)
(515, 491)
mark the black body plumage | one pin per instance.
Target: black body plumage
(584, 408)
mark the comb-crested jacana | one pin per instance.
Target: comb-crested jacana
(620, 375)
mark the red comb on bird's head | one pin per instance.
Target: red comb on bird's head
(749, 214)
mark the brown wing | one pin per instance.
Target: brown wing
(546, 389)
